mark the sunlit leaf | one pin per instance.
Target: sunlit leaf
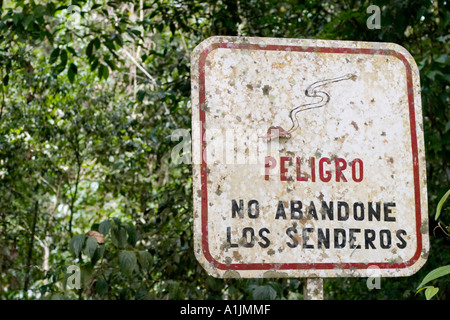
(430, 292)
(440, 204)
(435, 274)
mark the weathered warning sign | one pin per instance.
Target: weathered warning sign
(308, 158)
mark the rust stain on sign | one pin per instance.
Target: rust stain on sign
(308, 159)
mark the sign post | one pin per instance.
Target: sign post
(308, 159)
(313, 289)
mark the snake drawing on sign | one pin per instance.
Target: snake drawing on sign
(311, 92)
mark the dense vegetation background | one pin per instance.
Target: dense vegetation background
(90, 94)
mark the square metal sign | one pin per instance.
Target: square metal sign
(308, 159)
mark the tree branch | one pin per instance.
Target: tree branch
(30, 249)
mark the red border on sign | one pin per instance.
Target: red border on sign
(203, 171)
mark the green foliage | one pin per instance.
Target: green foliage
(431, 291)
(440, 204)
(104, 227)
(76, 244)
(90, 247)
(85, 134)
(127, 261)
(436, 273)
(106, 264)
(266, 292)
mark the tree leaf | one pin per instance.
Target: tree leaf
(436, 273)
(430, 292)
(97, 43)
(100, 72)
(132, 235)
(5, 80)
(104, 227)
(72, 51)
(440, 204)
(117, 221)
(101, 286)
(127, 261)
(98, 254)
(119, 236)
(63, 56)
(264, 293)
(76, 244)
(145, 259)
(105, 73)
(95, 6)
(91, 245)
(86, 275)
(443, 58)
(72, 72)
(62, 65)
(54, 56)
(59, 68)
(141, 95)
(432, 74)
(94, 64)
(27, 21)
(447, 127)
(110, 64)
(89, 49)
